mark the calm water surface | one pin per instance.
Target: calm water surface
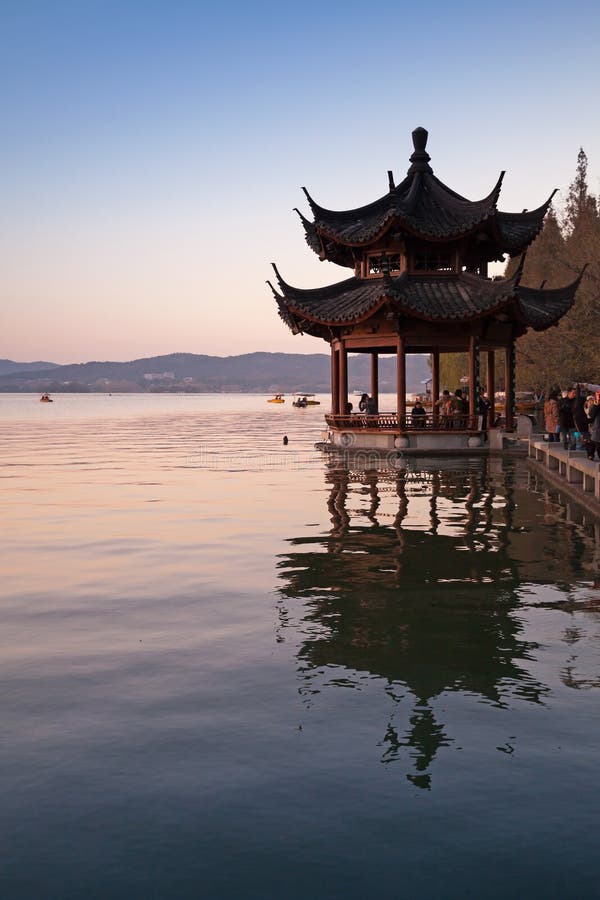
(233, 669)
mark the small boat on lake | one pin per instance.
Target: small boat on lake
(278, 398)
(301, 401)
(46, 398)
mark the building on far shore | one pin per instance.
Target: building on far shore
(159, 376)
(419, 257)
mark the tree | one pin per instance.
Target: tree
(581, 227)
(453, 367)
(569, 351)
(581, 208)
(540, 357)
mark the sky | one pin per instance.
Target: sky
(151, 152)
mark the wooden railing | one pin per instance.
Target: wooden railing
(391, 422)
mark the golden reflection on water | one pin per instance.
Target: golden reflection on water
(106, 494)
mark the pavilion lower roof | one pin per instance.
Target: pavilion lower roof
(542, 308)
(445, 298)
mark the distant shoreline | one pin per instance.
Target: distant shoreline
(189, 373)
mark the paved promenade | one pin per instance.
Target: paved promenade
(570, 466)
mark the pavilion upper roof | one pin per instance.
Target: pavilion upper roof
(460, 298)
(422, 206)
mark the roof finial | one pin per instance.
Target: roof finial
(420, 158)
(419, 137)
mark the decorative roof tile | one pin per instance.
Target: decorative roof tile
(463, 297)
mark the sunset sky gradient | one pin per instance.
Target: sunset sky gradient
(152, 152)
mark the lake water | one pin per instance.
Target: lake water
(235, 669)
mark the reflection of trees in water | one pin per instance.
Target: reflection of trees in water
(427, 605)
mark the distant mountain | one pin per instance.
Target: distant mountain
(178, 372)
(7, 366)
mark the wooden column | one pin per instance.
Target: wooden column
(473, 375)
(491, 387)
(401, 379)
(435, 383)
(375, 378)
(509, 386)
(343, 381)
(335, 380)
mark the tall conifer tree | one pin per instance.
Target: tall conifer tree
(582, 229)
(570, 351)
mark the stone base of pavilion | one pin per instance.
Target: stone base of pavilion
(384, 434)
(427, 443)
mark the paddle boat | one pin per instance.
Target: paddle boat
(278, 398)
(301, 401)
(46, 398)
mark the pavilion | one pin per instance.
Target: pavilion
(420, 284)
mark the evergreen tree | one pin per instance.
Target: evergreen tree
(581, 226)
(571, 350)
(581, 207)
(539, 354)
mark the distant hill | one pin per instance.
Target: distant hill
(176, 372)
(7, 366)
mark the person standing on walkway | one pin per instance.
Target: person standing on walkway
(567, 422)
(593, 444)
(582, 433)
(551, 420)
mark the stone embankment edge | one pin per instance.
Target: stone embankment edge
(572, 490)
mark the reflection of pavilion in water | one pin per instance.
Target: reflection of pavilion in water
(417, 583)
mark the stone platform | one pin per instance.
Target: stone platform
(570, 466)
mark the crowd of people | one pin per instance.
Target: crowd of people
(457, 404)
(574, 419)
(450, 409)
(572, 416)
